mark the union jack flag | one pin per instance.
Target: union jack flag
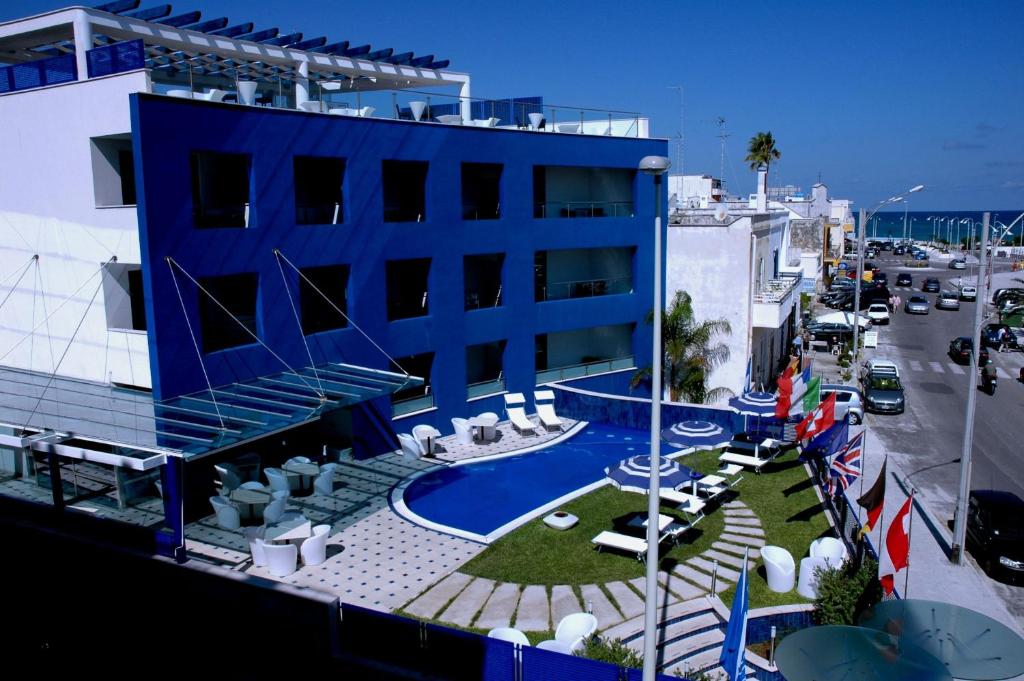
(846, 466)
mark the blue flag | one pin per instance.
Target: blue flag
(733, 658)
(829, 442)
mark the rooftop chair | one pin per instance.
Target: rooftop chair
(228, 517)
(515, 407)
(230, 478)
(255, 537)
(687, 503)
(410, 447)
(314, 549)
(622, 542)
(425, 434)
(779, 567)
(253, 485)
(277, 479)
(213, 95)
(324, 483)
(276, 512)
(486, 122)
(312, 106)
(544, 401)
(807, 585)
(509, 634)
(463, 431)
(282, 559)
(829, 548)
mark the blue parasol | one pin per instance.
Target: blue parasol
(634, 474)
(697, 434)
(754, 404)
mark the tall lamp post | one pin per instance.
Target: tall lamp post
(860, 264)
(656, 166)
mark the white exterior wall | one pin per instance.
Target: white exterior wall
(45, 135)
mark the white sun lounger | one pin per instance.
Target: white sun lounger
(515, 407)
(622, 542)
(744, 460)
(544, 400)
(687, 503)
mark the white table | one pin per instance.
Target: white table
(484, 423)
(560, 522)
(306, 473)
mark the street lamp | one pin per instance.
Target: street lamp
(655, 166)
(860, 265)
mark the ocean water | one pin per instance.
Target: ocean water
(890, 225)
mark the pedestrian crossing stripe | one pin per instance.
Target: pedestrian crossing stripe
(956, 369)
(1002, 374)
(936, 367)
(915, 365)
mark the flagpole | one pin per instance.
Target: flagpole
(910, 535)
(863, 461)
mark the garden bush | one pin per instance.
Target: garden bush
(844, 593)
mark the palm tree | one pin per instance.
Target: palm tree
(761, 149)
(691, 353)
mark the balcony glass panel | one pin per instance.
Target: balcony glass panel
(568, 192)
(582, 273)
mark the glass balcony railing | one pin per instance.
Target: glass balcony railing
(583, 209)
(586, 288)
(412, 404)
(589, 369)
(485, 388)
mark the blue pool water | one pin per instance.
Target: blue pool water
(481, 497)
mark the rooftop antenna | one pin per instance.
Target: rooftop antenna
(679, 135)
(722, 135)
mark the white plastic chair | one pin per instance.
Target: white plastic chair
(574, 629)
(829, 548)
(277, 479)
(230, 478)
(510, 634)
(227, 513)
(421, 433)
(807, 586)
(275, 511)
(255, 537)
(282, 559)
(314, 549)
(410, 448)
(253, 485)
(213, 95)
(780, 568)
(463, 431)
(324, 483)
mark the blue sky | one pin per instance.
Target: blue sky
(874, 96)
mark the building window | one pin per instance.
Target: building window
(420, 397)
(569, 192)
(581, 352)
(318, 190)
(317, 313)
(113, 170)
(405, 191)
(485, 369)
(220, 189)
(407, 288)
(582, 272)
(237, 294)
(482, 275)
(123, 297)
(481, 191)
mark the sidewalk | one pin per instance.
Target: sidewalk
(932, 575)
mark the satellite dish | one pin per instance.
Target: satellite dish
(721, 213)
(694, 203)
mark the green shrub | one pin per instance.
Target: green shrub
(613, 651)
(701, 676)
(844, 593)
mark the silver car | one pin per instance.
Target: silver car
(958, 264)
(916, 305)
(947, 300)
(848, 401)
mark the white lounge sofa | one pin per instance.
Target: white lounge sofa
(622, 542)
(544, 401)
(515, 407)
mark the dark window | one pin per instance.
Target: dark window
(126, 163)
(484, 369)
(481, 191)
(124, 300)
(407, 288)
(220, 189)
(582, 192)
(317, 313)
(482, 275)
(138, 301)
(318, 193)
(405, 191)
(541, 351)
(237, 294)
(417, 365)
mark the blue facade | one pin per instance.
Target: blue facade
(166, 131)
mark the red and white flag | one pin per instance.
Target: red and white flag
(818, 421)
(896, 550)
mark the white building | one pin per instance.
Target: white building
(694, 191)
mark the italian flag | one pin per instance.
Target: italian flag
(811, 398)
(819, 420)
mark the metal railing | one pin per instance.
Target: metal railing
(116, 58)
(477, 300)
(38, 73)
(588, 369)
(775, 290)
(485, 388)
(408, 405)
(585, 288)
(326, 213)
(583, 209)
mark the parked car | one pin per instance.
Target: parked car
(1000, 293)
(871, 253)
(830, 330)
(878, 313)
(958, 264)
(990, 336)
(916, 305)
(841, 283)
(899, 250)
(863, 320)
(881, 278)
(995, 536)
(947, 300)
(931, 285)
(969, 292)
(883, 393)
(920, 255)
(848, 401)
(904, 279)
(960, 351)
(880, 365)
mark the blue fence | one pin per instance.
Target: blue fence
(116, 58)
(38, 73)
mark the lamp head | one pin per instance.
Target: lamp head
(654, 165)
(916, 189)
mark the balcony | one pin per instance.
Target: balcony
(774, 301)
(589, 288)
(582, 273)
(588, 369)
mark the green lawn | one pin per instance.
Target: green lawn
(782, 496)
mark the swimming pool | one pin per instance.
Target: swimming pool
(486, 499)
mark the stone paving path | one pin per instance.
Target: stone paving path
(690, 636)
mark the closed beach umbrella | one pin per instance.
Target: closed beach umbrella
(634, 474)
(698, 434)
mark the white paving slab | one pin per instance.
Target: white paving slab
(430, 603)
(593, 597)
(500, 607)
(740, 539)
(563, 602)
(467, 604)
(749, 531)
(750, 522)
(629, 602)
(532, 614)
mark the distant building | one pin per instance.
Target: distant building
(694, 191)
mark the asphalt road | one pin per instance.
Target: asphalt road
(926, 440)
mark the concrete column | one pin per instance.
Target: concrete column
(302, 85)
(762, 189)
(83, 42)
(465, 102)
